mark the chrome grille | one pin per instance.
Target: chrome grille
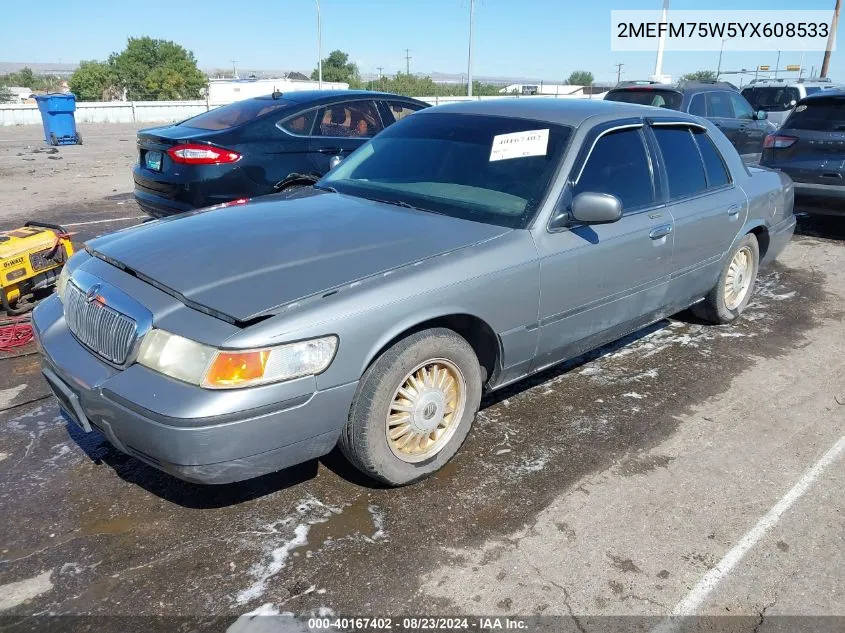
(100, 328)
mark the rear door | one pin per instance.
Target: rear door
(720, 110)
(341, 128)
(810, 146)
(707, 208)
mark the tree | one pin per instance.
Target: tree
(156, 69)
(580, 78)
(700, 75)
(6, 95)
(337, 67)
(91, 80)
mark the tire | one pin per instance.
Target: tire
(364, 440)
(720, 306)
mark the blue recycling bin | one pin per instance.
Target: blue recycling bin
(57, 116)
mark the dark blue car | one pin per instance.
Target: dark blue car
(257, 146)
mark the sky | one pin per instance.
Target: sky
(545, 39)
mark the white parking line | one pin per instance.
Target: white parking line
(711, 579)
(133, 217)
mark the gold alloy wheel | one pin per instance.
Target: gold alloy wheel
(739, 278)
(425, 410)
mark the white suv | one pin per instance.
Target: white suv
(779, 96)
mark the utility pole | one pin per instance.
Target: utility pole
(407, 61)
(619, 71)
(319, 48)
(777, 65)
(234, 70)
(469, 56)
(721, 50)
(379, 68)
(661, 43)
(831, 39)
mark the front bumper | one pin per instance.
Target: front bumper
(239, 444)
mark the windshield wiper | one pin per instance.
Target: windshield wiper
(404, 205)
(328, 188)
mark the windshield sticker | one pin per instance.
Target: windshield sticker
(519, 145)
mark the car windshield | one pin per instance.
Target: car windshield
(819, 114)
(234, 114)
(487, 169)
(647, 96)
(772, 99)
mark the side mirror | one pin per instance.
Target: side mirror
(596, 208)
(335, 161)
(761, 115)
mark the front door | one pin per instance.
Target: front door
(340, 129)
(599, 282)
(753, 131)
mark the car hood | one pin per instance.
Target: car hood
(247, 260)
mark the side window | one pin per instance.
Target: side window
(719, 105)
(399, 110)
(619, 165)
(696, 105)
(714, 165)
(354, 119)
(742, 109)
(299, 124)
(682, 161)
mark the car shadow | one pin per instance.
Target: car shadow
(829, 227)
(184, 493)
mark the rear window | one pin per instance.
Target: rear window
(823, 115)
(234, 114)
(647, 96)
(773, 99)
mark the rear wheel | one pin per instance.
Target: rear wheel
(726, 301)
(414, 407)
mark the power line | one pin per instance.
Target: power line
(407, 61)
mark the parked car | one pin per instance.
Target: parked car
(458, 251)
(257, 146)
(777, 97)
(810, 149)
(719, 102)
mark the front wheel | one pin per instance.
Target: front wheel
(726, 301)
(414, 407)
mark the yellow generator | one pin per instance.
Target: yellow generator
(31, 259)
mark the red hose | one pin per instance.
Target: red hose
(15, 332)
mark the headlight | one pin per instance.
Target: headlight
(61, 282)
(213, 368)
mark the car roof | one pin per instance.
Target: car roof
(683, 86)
(824, 94)
(570, 112)
(323, 96)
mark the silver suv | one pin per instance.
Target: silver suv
(778, 97)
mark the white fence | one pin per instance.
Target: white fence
(165, 111)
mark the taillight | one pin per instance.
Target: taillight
(776, 141)
(195, 154)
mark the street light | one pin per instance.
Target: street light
(719, 67)
(319, 48)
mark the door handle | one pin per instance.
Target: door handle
(660, 231)
(734, 210)
(330, 150)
